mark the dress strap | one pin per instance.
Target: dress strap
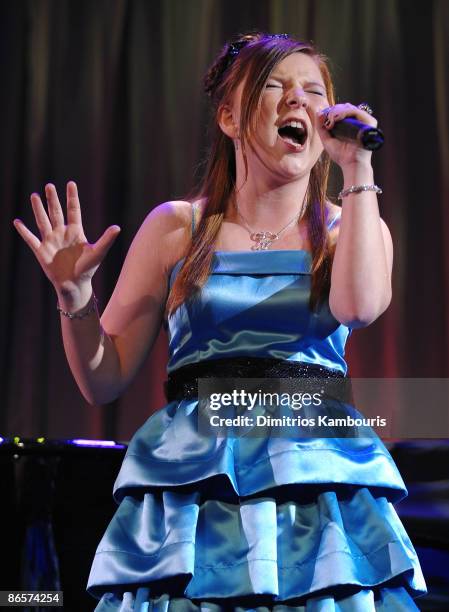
(333, 220)
(194, 210)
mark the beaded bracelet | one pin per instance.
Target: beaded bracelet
(91, 306)
(357, 189)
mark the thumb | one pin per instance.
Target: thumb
(104, 243)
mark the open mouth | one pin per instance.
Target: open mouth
(294, 132)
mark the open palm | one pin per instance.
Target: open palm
(63, 252)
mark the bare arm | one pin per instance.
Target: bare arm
(104, 355)
(361, 272)
(134, 314)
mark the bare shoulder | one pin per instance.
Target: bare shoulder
(169, 216)
(174, 215)
(166, 231)
(167, 227)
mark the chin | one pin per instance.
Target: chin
(295, 171)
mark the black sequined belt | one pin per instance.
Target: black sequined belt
(183, 382)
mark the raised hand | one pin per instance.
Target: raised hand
(341, 152)
(67, 259)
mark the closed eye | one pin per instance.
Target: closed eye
(273, 85)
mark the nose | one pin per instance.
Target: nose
(296, 98)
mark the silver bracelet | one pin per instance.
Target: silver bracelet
(91, 306)
(357, 189)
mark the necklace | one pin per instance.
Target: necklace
(264, 239)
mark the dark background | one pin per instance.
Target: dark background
(108, 93)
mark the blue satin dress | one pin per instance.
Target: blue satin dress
(269, 523)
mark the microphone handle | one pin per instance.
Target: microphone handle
(351, 130)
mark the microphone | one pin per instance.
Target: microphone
(351, 130)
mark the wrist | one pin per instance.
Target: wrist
(80, 313)
(357, 174)
(356, 189)
(74, 297)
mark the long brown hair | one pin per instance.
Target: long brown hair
(252, 55)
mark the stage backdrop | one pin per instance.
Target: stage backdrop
(108, 93)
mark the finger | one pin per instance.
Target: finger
(54, 206)
(336, 113)
(325, 119)
(323, 133)
(366, 117)
(340, 111)
(40, 215)
(104, 243)
(322, 122)
(32, 241)
(73, 204)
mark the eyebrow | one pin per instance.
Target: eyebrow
(280, 78)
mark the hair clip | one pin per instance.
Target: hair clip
(278, 36)
(236, 47)
(233, 49)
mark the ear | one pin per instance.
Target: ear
(226, 121)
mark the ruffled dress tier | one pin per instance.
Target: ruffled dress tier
(214, 523)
